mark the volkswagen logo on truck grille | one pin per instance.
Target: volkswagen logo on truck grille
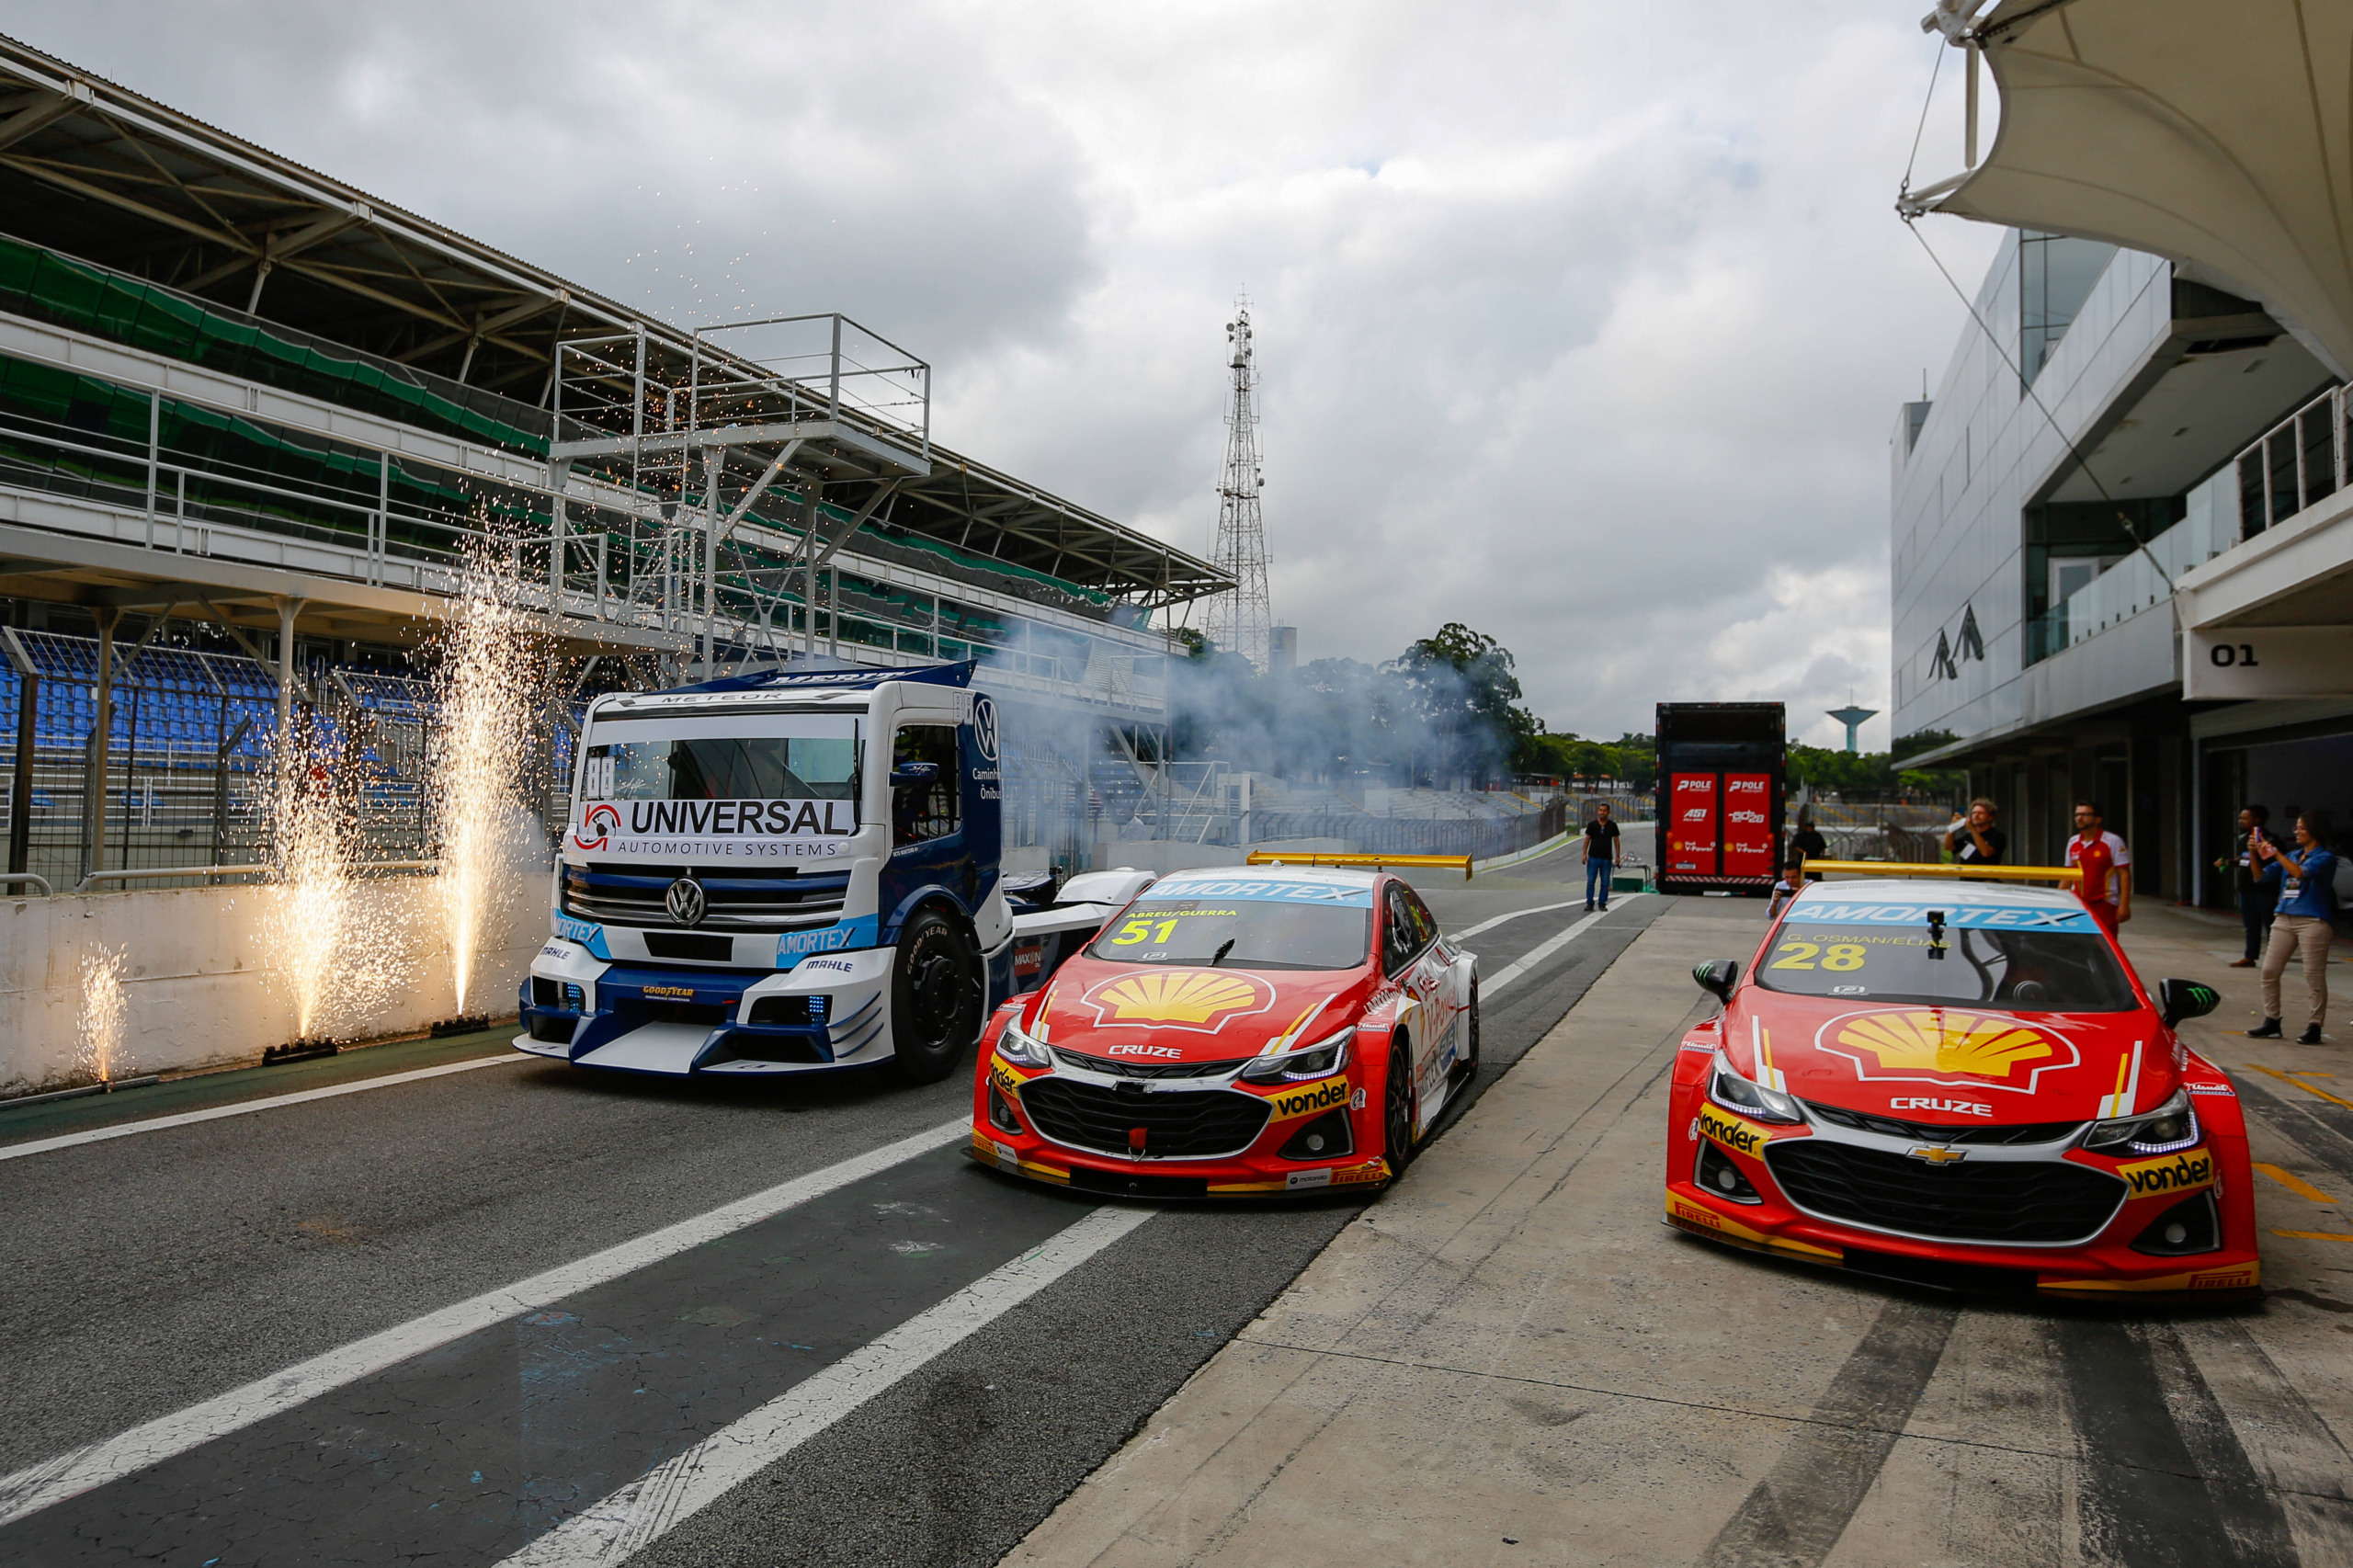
(684, 901)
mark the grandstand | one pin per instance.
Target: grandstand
(259, 425)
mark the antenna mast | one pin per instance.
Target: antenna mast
(1238, 621)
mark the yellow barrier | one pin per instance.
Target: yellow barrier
(1441, 862)
(2067, 874)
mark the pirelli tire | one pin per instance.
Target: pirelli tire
(1397, 1107)
(935, 997)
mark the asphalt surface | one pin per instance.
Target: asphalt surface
(147, 1274)
(1510, 1359)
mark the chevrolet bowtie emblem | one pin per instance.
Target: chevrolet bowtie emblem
(1937, 1155)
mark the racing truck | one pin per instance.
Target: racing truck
(1723, 777)
(792, 872)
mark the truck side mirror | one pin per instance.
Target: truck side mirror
(2179, 999)
(909, 775)
(1717, 977)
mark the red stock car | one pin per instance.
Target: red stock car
(1230, 1033)
(1961, 1084)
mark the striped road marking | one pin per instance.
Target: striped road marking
(69, 1475)
(1544, 951)
(641, 1511)
(246, 1108)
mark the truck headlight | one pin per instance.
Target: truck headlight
(1738, 1094)
(1019, 1047)
(1321, 1060)
(2173, 1125)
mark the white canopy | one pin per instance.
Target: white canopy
(2217, 135)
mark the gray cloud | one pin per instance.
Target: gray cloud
(1585, 326)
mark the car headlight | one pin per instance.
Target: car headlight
(2173, 1125)
(1320, 1060)
(1019, 1047)
(1736, 1094)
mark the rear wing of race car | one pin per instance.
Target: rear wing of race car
(1306, 858)
(2066, 875)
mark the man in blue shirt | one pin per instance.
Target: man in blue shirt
(2304, 922)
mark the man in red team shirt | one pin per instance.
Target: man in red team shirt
(2106, 866)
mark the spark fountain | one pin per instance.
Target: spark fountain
(488, 680)
(311, 901)
(104, 1012)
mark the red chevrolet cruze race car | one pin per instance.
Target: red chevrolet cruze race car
(1960, 1085)
(1233, 1032)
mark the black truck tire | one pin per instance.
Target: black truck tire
(935, 999)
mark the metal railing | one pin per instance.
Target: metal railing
(2293, 466)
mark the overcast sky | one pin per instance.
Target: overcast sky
(1584, 325)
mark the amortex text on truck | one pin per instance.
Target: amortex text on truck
(788, 871)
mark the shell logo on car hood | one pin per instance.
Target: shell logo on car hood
(1943, 1045)
(1202, 999)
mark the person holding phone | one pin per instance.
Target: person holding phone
(2256, 883)
(2306, 923)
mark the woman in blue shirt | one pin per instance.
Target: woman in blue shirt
(2305, 922)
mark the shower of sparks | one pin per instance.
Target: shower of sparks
(104, 1011)
(491, 672)
(329, 978)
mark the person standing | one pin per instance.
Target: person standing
(1974, 840)
(2253, 880)
(1600, 849)
(2305, 922)
(2107, 865)
(1808, 844)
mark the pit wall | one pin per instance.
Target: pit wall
(202, 988)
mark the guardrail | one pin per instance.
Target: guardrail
(1438, 862)
(10, 878)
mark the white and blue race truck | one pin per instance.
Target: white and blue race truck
(792, 872)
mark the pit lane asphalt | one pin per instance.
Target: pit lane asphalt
(145, 1274)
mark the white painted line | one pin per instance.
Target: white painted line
(30, 1490)
(1536, 956)
(1514, 914)
(647, 1508)
(246, 1108)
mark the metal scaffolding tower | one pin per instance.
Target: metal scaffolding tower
(1239, 622)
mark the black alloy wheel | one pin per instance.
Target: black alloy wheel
(935, 999)
(1397, 1108)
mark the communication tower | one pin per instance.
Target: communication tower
(1239, 622)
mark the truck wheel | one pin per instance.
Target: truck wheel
(1397, 1109)
(935, 999)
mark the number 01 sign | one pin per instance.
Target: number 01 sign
(2246, 662)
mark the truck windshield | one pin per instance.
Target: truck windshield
(2059, 970)
(767, 757)
(1237, 933)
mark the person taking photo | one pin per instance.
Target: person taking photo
(1974, 840)
(2304, 922)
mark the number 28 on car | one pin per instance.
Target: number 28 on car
(1233, 1033)
(1963, 1085)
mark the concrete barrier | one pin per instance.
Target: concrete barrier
(203, 989)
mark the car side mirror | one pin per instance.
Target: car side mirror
(2179, 999)
(1717, 976)
(908, 775)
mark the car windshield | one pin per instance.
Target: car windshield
(797, 757)
(2033, 959)
(1238, 932)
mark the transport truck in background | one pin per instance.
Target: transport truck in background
(792, 872)
(1723, 781)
